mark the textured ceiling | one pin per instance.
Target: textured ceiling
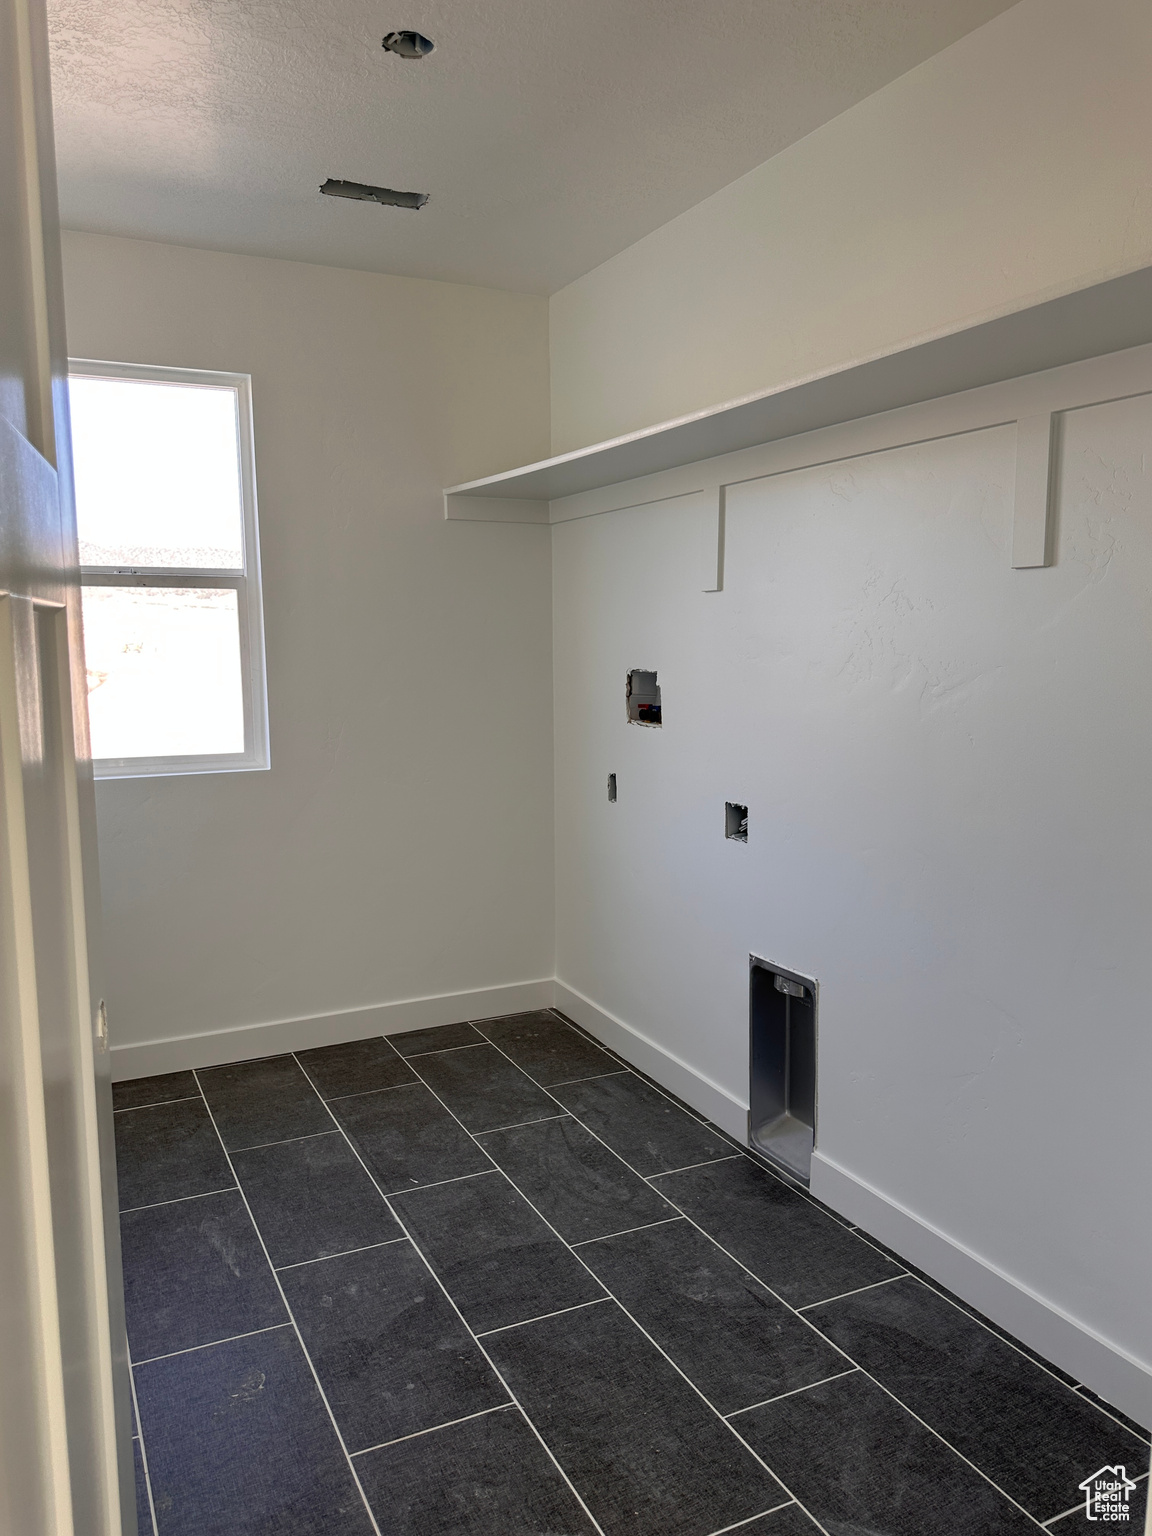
(550, 133)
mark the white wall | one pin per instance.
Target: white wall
(1015, 165)
(946, 765)
(401, 845)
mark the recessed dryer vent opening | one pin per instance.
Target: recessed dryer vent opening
(642, 695)
(736, 821)
(362, 192)
(782, 1051)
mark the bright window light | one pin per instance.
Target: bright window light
(163, 671)
(166, 515)
(157, 474)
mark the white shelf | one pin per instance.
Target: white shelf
(1107, 317)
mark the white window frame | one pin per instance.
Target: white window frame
(245, 583)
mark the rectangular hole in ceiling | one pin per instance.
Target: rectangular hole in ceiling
(362, 192)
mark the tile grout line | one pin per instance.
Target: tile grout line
(810, 1324)
(362, 1093)
(936, 1288)
(544, 1316)
(288, 1309)
(565, 1112)
(741, 1151)
(901, 1404)
(867, 1374)
(827, 1301)
(411, 1189)
(807, 1388)
(750, 1154)
(570, 1082)
(638, 1325)
(743, 1524)
(1078, 1508)
(711, 1407)
(624, 1231)
(440, 1050)
(464, 1322)
(777, 1173)
(287, 1141)
(547, 1087)
(1109, 1412)
(212, 1343)
(541, 1121)
(434, 1428)
(806, 1195)
(220, 1066)
(143, 1448)
(228, 1189)
(930, 1285)
(627, 1066)
(185, 1098)
(688, 1167)
(343, 1254)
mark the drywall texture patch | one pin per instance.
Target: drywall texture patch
(947, 762)
(1014, 165)
(400, 846)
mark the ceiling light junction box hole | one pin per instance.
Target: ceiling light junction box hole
(735, 822)
(409, 45)
(642, 696)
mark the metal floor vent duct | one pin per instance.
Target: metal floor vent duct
(782, 1058)
(361, 192)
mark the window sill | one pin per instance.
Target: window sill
(166, 767)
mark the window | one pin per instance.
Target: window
(170, 569)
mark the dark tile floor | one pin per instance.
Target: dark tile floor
(488, 1279)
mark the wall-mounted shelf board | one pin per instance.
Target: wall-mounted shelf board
(1107, 317)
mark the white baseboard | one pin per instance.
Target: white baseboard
(249, 1040)
(721, 1107)
(1101, 1365)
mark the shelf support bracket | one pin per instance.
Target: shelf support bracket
(1032, 516)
